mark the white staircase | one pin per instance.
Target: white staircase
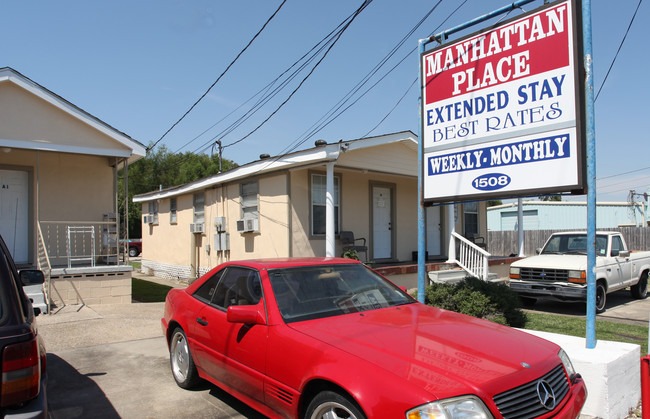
(471, 261)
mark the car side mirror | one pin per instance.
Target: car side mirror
(37, 311)
(31, 277)
(246, 315)
(624, 253)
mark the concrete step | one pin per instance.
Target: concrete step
(454, 276)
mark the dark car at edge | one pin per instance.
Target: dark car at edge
(22, 391)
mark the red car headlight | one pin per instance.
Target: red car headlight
(470, 407)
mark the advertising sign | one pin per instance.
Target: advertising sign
(502, 110)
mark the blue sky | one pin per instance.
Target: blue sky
(139, 65)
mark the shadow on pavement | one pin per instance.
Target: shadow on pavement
(74, 395)
(234, 403)
(620, 307)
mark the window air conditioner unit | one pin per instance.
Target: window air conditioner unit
(248, 225)
(197, 228)
(148, 219)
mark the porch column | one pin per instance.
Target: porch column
(520, 225)
(451, 222)
(330, 231)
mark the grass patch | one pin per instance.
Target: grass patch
(148, 292)
(605, 330)
(136, 265)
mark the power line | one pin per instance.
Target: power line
(618, 50)
(308, 57)
(268, 91)
(330, 115)
(361, 8)
(315, 128)
(220, 76)
(624, 173)
(392, 109)
(346, 98)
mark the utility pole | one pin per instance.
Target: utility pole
(217, 142)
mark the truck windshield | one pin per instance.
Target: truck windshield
(573, 244)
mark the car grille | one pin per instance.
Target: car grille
(541, 274)
(524, 401)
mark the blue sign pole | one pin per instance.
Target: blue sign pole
(421, 229)
(591, 175)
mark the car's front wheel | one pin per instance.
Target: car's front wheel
(133, 252)
(181, 361)
(333, 405)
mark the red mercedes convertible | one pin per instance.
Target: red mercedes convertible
(331, 338)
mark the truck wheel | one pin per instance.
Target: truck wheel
(640, 290)
(601, 297)
(528, 301)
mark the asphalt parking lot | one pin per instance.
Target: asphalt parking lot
(620, 307)
(112, 361)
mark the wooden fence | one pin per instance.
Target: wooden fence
(505, 243)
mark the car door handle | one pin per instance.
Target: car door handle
(201, 321)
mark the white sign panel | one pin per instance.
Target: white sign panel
(499, 110)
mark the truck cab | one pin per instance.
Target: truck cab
(559, 271)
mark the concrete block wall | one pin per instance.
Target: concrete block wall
(93, 288)
(611, 370)
(169, 271)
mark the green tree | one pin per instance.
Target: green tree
(551, 198)
(162, 169)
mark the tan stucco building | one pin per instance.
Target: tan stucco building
(276, 207)
(58, 185)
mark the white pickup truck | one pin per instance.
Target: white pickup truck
(559, 271)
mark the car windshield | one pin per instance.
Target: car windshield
(312, 292)
(573, 244)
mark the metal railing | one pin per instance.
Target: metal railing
(472, 258)
(79, 243)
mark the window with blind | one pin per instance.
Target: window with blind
(318, 201)
(199, 207)
(153, 211)
(470, 210)
(249, 192)
(172, 210)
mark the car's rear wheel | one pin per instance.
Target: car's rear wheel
(333, 405)
(181, 361)
(133, 252)
(640, 290)
(601, 297)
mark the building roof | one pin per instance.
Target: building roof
(309, 157)
(136, 149)
(561, 204)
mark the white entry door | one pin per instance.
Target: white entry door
(434, 228)
(14, 210)
(382, 234)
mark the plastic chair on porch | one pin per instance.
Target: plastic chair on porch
(348, 241)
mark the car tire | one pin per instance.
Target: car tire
(182, 364)
(601, 297)
(332, 405)
(133, 252)
(640, 290)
